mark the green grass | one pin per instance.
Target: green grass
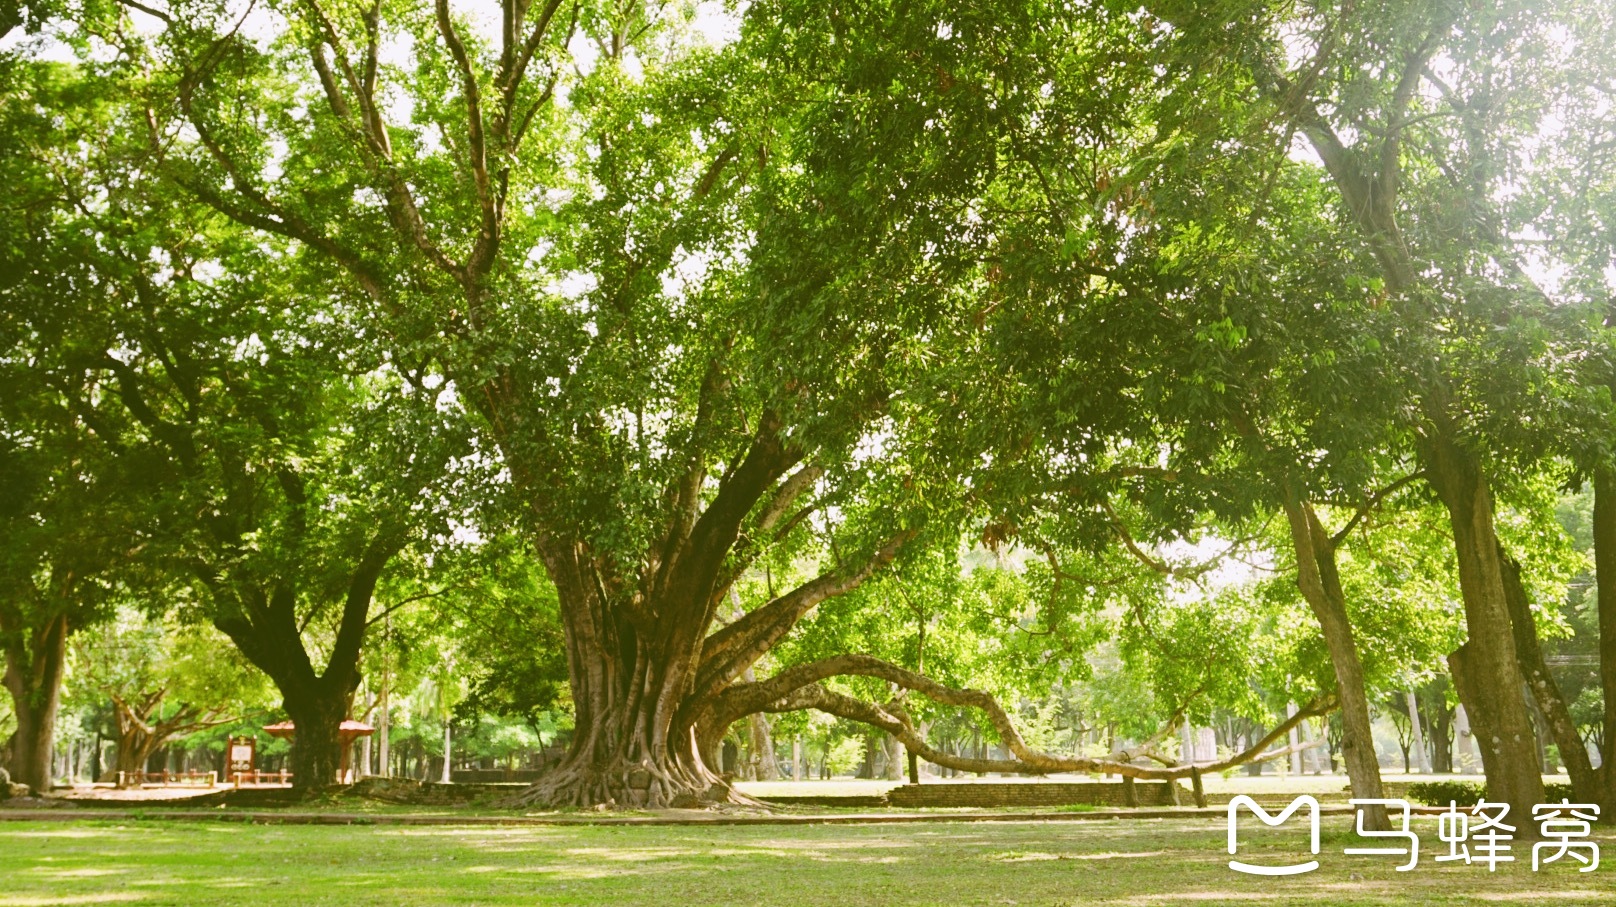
(1114, 862)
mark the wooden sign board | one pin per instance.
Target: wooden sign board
(243, 754)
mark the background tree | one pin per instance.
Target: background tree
(71, 517)
(165, 681)
(285, 465)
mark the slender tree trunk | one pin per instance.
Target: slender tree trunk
(1550, 702)
(1604, 527)
(1494, 700)
(763, 748)
(1464, 738)
(1416, 733)
(384, 721)
(1294, 739)
(893, 751)
(448, 740)
(33, 676)
(1441, 725)
(1320, 582)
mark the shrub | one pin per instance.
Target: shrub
(1554, 793)
(1441, 793)
(1469, 793)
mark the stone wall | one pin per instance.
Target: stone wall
(495, 775)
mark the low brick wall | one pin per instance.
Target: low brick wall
(1033, 793)
(872, 801)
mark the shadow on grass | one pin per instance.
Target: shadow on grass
(1134, 862)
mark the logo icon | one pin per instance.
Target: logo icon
(1273, 821)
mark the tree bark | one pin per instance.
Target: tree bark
(631, 747)
(33, 676)
(1604, 527)
(628, 749)
(1416, 733)
(136, 742)
(318, 712)
(1441, 725)
(893, 752)
(267, 632)
(1550, 702)
(763, 748)
(1320, 582)
(647, 677)
(1492, 684)
(1464, 739)
(448, 742)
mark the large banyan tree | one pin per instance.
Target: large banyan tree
(710, 299)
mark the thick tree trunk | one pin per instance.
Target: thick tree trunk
(1550, 702)
(318, 714)
(32, 745)
(632, 746)
(33, 676)
(1604, 527)
(269, 634)
(1492, 686)
(1320, 582)
(649, 684)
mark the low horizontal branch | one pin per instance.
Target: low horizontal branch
(1026, 760)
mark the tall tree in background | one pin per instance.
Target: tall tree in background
(283, 463)
(1576, 195)
(165, 680)
(71, 520)
(1421, 115)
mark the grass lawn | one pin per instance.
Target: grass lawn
(1133, 862)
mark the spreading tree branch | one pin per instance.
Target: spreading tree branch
(893, 719)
